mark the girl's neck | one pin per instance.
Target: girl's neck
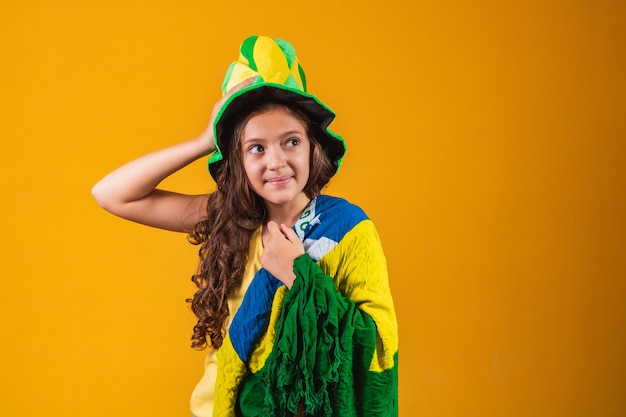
(287, 215)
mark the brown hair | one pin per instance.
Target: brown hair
(234, 212)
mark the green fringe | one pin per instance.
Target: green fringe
(321, 358)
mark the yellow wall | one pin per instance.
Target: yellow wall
(486, 142)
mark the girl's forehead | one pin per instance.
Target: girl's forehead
(274, 121)
(275, 108)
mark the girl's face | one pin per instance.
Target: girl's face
(276, 155)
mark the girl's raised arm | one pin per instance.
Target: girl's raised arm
(130, 191)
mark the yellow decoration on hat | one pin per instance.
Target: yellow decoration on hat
(296, 75)
(239, 73)
(270, 60)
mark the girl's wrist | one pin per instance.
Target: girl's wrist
(206, 144)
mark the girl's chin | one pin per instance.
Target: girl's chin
(283, 197)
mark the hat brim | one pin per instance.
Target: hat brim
(235, 107)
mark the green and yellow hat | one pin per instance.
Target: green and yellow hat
(279, 77)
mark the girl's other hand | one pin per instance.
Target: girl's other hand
(281, 246)
(206, 138)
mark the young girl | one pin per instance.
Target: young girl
(293, 299)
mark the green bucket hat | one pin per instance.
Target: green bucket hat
(279, 77)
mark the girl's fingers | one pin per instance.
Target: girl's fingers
(241, 85)
(272, 228)
(289, 233)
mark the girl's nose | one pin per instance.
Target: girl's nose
(276, 159)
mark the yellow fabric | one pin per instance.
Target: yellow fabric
(239, 73)
(295, 73)
(368, 287)
(231, 374)
(202, 398)
(265, 345)
(270, 60)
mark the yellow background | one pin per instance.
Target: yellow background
(486, 141)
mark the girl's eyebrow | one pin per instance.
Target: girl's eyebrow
(291, 132)
(287, 133)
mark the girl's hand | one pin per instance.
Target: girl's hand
(130, 191)
(281, 246)
(206, 138)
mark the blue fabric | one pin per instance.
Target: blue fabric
(252, 317)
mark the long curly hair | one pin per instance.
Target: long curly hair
(234, 211)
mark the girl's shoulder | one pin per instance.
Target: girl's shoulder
(329, 203)
(327, 221)
(329, 216)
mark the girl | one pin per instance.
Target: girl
(293, 300)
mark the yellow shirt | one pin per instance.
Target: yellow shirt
(202, 397)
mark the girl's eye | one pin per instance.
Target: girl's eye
(256, 149)
(293, 142)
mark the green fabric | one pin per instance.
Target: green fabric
(287, 49)
(290, 82)
(302, 77)
(229, 72)
(247, 50)
(321, 358)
